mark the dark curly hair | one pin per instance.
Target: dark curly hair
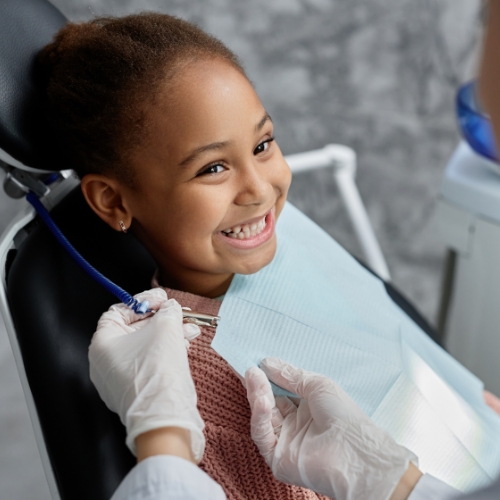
(100, 76)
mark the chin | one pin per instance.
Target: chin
(253, 266)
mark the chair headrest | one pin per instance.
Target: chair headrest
(26, 26)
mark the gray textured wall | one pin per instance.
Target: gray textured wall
(377, 75)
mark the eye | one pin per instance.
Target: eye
(263, 146)
(216, 168)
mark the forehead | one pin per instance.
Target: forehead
(207, 101)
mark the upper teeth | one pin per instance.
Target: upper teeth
(246, 230)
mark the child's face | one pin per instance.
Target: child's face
(211, 167)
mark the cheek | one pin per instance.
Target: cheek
(287, 177)
(194, 217)
(282, 179)
(178, 219)
(282, 173)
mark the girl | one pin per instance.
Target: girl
(172, 143)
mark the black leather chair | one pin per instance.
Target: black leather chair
(54, 304)
(55, 307)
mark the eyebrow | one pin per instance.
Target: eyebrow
(202, 149)
(263, 121)
(214, 146)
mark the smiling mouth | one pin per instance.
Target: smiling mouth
(246, 231)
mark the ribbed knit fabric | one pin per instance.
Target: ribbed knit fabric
(231, 457)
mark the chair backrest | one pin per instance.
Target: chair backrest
(55, 307)
(54, 304)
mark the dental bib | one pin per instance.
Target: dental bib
(316, 307)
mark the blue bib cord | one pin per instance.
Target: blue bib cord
(119, 293)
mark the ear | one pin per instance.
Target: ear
(106, 198)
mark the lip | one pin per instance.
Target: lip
(261, 238)
(252, 221)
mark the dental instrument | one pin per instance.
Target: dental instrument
(199, 319)
(122, 295)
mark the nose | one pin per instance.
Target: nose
(254, 187)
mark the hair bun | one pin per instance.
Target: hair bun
(66, 39)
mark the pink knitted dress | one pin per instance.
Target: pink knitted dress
(231, 457)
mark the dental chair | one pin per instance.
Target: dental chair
(49, 305)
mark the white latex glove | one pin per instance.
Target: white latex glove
(326, 444)
(140, 368)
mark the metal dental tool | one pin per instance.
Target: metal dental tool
(199, 319)
(196, 318)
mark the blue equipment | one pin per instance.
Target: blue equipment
(474, 124)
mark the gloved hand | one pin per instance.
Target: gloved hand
(139, 366)
(326, 444)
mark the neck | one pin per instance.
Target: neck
(211, 286)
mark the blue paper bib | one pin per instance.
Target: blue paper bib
(316, 307)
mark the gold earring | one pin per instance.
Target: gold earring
(122, 225)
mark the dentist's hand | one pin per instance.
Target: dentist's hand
(139, 366)
(326, 444)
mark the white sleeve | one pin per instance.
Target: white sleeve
(166, 477)
(431, 488)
